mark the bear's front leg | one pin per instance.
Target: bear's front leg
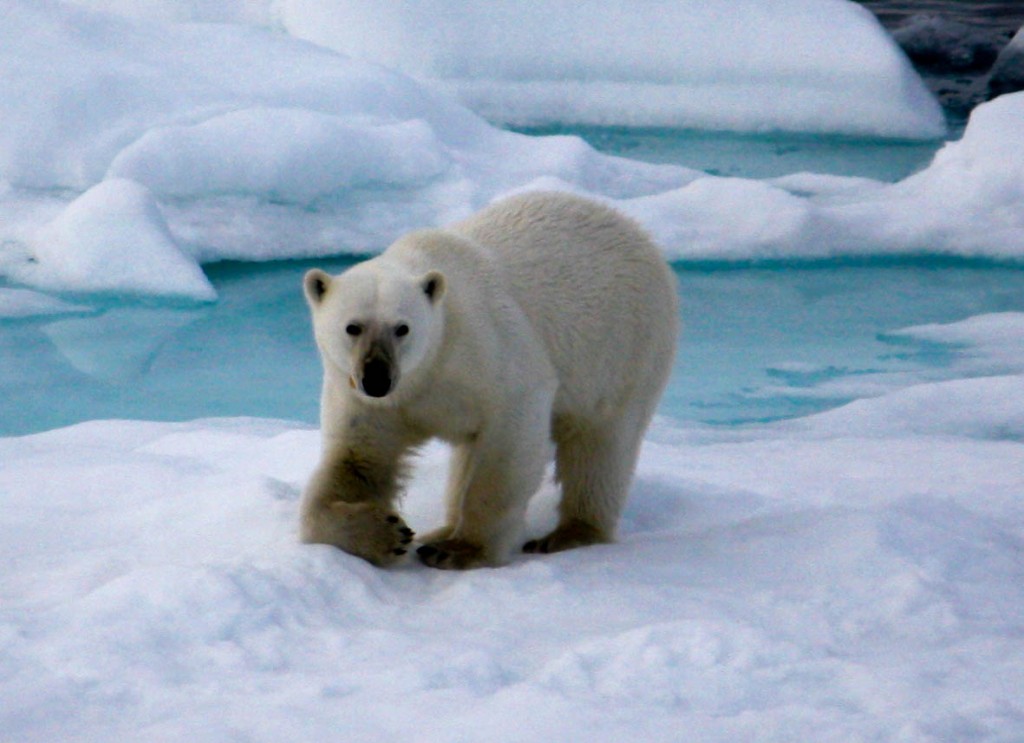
(367, 530)
(349, 504)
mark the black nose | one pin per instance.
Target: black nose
(376, 378)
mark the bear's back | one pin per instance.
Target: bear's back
(593, 285)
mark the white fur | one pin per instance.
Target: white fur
(544, 325)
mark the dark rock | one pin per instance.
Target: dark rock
(943, 45)
(1008, 71)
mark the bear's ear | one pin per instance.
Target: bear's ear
(315, 283)
(434, 285)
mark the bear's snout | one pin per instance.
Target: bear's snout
(376, 377)
(379, 373)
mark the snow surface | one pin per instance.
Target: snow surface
(852, 575)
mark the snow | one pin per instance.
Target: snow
(750, 66)
(968, 202)
(80, 87)
(989, 344)
(246, 143)
(113, 238)
(746, 65)
(18, 303)
(255, 145)
(851, 575)
(303, 155)
(857, 574)
(249, 12)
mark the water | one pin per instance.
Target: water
(758, 344)
(251, 353)
(759, 155)
(768, 343)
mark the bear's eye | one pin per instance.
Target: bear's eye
(401, 330)
(353, 329)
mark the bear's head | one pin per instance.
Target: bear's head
(376, 325)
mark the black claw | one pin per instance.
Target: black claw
(530, 546)
(392, 519)
(427, 550)
(406, 531)
(407, 540)
(398, 551)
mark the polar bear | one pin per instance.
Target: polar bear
(542, 327)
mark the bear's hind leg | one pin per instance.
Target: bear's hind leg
(594, 468)
(460, 471)
(489, 518)
(491, 482)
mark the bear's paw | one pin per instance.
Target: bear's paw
(567, 536)
(453, 554)
(370, 531)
